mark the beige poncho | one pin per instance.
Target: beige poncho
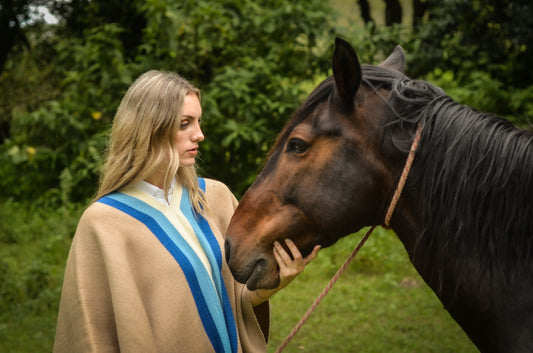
(126, 290)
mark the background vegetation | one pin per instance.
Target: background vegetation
(60, 84)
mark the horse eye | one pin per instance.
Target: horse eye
(297, 145)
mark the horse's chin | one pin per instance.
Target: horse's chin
(256, 274)
(262, 281)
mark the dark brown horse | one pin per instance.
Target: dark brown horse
(465, 216)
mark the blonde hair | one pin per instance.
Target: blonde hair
(142, 137)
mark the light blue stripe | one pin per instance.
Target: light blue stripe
(212, 240)
(186, 209)
(212, 249)
(208, 291)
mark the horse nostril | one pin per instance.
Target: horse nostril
(227, 249)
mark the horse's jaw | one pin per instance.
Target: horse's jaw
(251, 234)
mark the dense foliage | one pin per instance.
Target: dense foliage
(495, 37)
(483, 54)
(254, 62)
(247, 57)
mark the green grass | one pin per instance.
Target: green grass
(34, 243)
(380, 304)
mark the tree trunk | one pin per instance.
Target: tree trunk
(420, 7)
(365, 11)
(393, 12)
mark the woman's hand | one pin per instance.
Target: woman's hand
(290, 266)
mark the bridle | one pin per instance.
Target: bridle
(403, 176)
(386, 223)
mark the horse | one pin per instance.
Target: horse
(465, 216)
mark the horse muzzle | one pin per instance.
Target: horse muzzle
(256, 268)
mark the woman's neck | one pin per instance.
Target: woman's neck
(156, 179)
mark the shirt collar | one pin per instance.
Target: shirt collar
(156, 192)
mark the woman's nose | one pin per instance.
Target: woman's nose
(198, 135)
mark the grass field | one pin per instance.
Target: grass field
(379, 304)
(34, 243)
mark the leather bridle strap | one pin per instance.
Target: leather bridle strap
(403, 176)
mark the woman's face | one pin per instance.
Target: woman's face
(189, 133)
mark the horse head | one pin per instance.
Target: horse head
(325, 176)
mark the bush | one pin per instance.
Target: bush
(57, 147)
(480, 90)
(250, 60)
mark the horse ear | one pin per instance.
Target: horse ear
(396, 60)
(346, 72)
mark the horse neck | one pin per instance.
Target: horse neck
(465, 219)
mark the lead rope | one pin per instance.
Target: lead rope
(388, 216)
(324, 291)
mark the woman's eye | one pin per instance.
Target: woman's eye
(297, 145)
(184, 124)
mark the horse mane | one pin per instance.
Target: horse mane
(473, 177)
(472, 174)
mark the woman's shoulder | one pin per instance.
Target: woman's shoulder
(216, 185)
(216, 191)
(221, 202)
(99, 215)
(95, 210)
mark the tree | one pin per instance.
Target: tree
(12, 14)
(364, 7)
(486, 35)
(420, 8)
(80, 15)
(249, 59)
(393, 12)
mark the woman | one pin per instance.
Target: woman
(145, 272)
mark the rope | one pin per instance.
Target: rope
(325, 291)
(403, 177)
(340, 271)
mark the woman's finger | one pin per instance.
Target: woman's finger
(278, 256)
(295, 252)
(281, 253)
(290, 267)
(312, 255)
